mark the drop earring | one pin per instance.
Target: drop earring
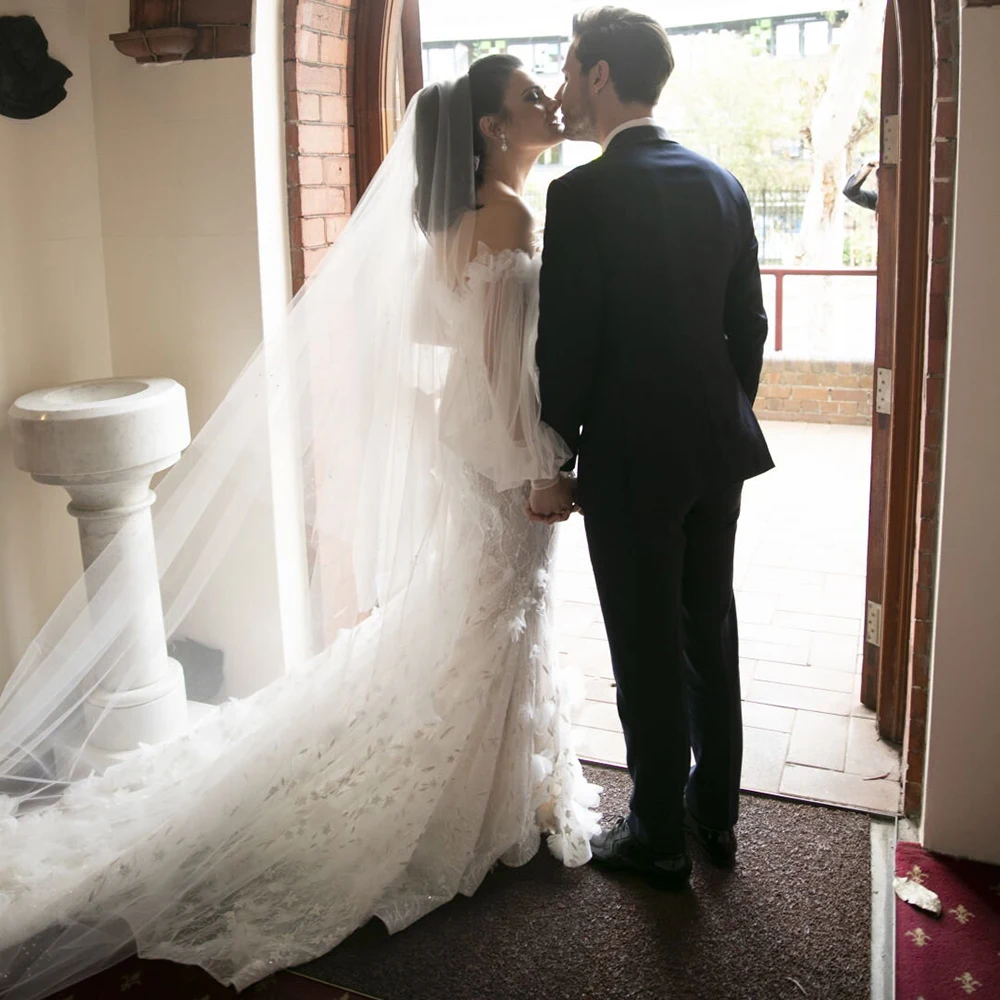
(503, 142)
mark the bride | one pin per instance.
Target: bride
(419, 732)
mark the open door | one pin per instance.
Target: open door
(904, 212)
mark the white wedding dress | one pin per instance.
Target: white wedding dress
(380, 777)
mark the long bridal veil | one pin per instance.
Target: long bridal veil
(318, 536)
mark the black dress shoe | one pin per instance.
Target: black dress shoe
(718, 845)
(618, 849)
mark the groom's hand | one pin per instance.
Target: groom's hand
(553, 503)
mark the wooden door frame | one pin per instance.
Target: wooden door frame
(903, 280)
(885, 305)
(385, 28)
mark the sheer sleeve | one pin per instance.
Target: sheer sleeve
(490, 412)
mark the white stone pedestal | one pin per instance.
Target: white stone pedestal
(103, 441)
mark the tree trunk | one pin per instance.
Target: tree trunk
(821, 241)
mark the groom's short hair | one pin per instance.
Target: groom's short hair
(634, 46)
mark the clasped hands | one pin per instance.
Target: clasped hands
(550, 503)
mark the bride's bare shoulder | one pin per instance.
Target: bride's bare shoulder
(504, 222)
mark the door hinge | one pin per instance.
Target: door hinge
(873, 624)
(883, 390)
(890, 139)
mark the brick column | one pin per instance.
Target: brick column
(319, 137)
(938, 313)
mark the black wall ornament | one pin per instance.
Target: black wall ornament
(32, 83)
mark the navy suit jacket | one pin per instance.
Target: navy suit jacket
(652, 329)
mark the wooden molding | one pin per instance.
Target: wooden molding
(387, 30)
(172, 30)
(982, 3)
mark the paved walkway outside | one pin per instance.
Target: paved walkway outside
(800, 585)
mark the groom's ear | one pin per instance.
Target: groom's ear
(600, 76)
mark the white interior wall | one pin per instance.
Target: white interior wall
(129, 246)
(53, 315)
(962, 783)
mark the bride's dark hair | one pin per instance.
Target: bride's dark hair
(443, 193)
(488, 79)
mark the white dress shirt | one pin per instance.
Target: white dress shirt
(632, 123)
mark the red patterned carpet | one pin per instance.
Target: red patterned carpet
(137, 980)
(956, 955)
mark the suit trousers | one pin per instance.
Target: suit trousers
(665, 581)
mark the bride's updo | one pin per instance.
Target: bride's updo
(451, 153)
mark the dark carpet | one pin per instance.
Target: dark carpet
(792, 921)
(153, 980)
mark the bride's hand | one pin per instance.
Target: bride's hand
(550, 518)
(552, 503)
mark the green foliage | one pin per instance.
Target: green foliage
(488, 47)
(860, 239)
(750, 111)
(760, 37)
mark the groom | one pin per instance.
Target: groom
(650, 347)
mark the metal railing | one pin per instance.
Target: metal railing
(780, 273)
(777, 219)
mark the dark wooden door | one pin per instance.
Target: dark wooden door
(904, 212)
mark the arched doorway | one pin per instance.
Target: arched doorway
(919, 120)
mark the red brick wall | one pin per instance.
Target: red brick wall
(822, 392)
(319, 145)
(942, 203)
(319, 137)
